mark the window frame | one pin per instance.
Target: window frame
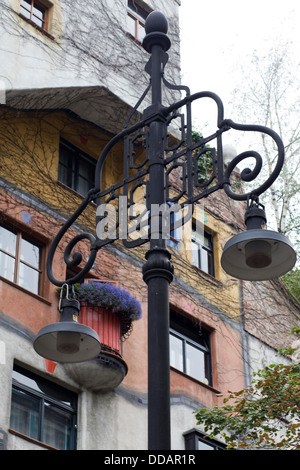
(139, 15)
(184, 329)
(44, 20)
(194, 436)
(202, 247)
(77, 156)
(20, 235)
(43, 401)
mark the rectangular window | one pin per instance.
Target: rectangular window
(190, 348)
(195, 440)
(76, 169)
(20, 260)
(136, 17)
(202, 251)
(43, 410)
(35, 12)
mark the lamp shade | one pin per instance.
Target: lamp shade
(68, 341)
(258, 255)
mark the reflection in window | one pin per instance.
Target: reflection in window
(190, 348)
(20, 260)
(202, 250)
(43, 410)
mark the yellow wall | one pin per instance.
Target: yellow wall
(29, 153)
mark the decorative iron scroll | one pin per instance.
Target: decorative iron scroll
(181, 164)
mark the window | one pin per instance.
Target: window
(202, 250)
(43, 410)
(21, 260)
(34, 11)
(76, 169)
(136, 17)
(195, 440)
(175, 233)
(190, 348)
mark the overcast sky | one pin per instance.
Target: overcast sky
(217, 36)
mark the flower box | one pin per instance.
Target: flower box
(106, 323)
(110, 311)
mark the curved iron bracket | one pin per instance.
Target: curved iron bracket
(182, 183)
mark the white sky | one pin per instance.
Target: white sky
(217, 35)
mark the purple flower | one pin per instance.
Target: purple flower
(107, 295)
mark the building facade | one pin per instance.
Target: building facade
(70, 76)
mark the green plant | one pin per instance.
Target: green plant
(292, 283)
(204, 162)
(264, 416)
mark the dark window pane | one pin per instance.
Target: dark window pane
(86, 174)
(75, 169)
(136, 10)
(43, 410)
(66, 168)
(24, 416)
(58, 426)
(43, 386)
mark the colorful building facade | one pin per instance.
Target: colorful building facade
(69, 85)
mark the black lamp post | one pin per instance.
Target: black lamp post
(256, 247)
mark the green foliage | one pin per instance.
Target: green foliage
(204, 167)
(292, 283)
(264, 416)
(196, 136)
(204, 162)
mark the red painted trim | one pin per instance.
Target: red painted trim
(106, 323)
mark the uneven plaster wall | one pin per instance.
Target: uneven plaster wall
(192, 293)
(114, 420)
(89, 48)
(99, 411)
(270, 312)
(101, 423)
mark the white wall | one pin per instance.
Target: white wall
(89, 48)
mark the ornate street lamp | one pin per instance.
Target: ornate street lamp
(255, 251)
